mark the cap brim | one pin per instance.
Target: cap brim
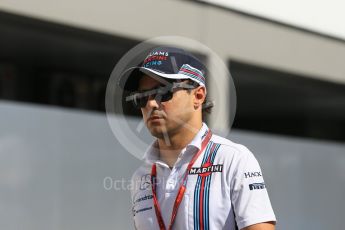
(158, 75)
(130, 78)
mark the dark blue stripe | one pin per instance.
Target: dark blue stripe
(196, 205)
(207, 191)
(206, 188)
(198, 188)
(207, 152)
(215, 153)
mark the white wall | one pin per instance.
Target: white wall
(229, 34)
(53, 163)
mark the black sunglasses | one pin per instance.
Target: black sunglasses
(161, 93)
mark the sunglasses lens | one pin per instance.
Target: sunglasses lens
(166, 96)
(143, 101)
(162, 95)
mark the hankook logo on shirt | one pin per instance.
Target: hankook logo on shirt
(206, 169)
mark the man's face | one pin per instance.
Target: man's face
(166, 118)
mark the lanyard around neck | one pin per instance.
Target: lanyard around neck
(181, 190)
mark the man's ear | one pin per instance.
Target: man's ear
(199, 96)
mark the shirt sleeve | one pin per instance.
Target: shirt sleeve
(249, 195)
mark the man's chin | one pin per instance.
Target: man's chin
(159, 132)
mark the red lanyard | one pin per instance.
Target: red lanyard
(181, 190)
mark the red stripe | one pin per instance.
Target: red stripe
(201, 203)
(195, 73)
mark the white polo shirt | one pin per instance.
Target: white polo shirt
(225, 188)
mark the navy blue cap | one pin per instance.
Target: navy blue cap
(165, 62)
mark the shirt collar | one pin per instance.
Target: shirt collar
(152, 153)
(199, 137)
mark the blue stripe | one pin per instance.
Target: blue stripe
(196, 205)
(198, 188)
(207, 151)
(207, 224)
(214, 153)
(205, 198)
(207, 191)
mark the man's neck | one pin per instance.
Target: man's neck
(171, 147)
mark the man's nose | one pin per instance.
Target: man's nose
(153, 101)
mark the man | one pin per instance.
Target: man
(191, 178)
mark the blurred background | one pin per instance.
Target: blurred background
(61, 166)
